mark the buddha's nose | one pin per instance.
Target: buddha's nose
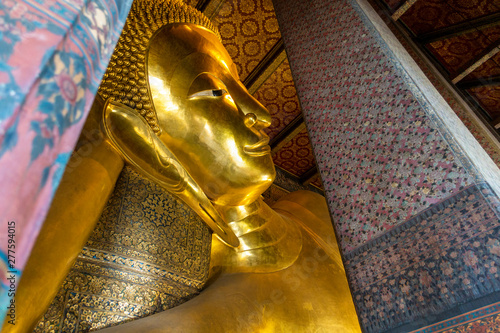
(251, 107)
(250, 119)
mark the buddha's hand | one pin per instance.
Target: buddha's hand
(133, 138)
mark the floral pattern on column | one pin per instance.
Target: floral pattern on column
(53, 54)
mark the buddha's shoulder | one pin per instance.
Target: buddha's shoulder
(310, 211)
(305, 200)
(309, 208)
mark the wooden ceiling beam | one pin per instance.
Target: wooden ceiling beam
(481, 82)
(474, 103)
(418, 44)
(309, 176)
(288, 133)
(266, 67)
(460, 28)
(496, 123)
(402, 9)
(480, 59)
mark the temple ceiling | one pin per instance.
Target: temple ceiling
(462, 40)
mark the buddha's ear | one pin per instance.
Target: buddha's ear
(134, 139)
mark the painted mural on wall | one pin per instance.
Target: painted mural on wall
(53, 54)
(418, 226)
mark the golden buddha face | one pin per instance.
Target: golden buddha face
(207, 117)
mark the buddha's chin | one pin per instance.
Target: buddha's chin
(237, 200)
(239, 196)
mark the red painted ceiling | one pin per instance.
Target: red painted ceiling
(463, 32)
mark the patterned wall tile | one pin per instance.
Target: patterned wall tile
(381, 158)
(279, 96)
(392, 152)
(444, 181)
(384, 169)
(249, 30)
(489, 98)
(429, 15)
(446, 256)
(457, 51)
(296, 156)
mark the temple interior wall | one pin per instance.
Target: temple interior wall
(412, 195)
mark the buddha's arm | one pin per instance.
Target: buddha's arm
(84, 190)
(141, 147)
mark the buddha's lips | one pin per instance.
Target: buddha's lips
(260, 148)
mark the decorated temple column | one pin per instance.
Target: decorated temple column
(52, 58)
(413, 196)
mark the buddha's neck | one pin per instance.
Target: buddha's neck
(268, 242)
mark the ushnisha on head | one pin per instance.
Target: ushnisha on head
(170, 66)
(125, 80)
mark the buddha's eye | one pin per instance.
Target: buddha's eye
(209, 93)
(207, 85)
(218, 92)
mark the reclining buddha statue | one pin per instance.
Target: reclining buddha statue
(161, 205)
